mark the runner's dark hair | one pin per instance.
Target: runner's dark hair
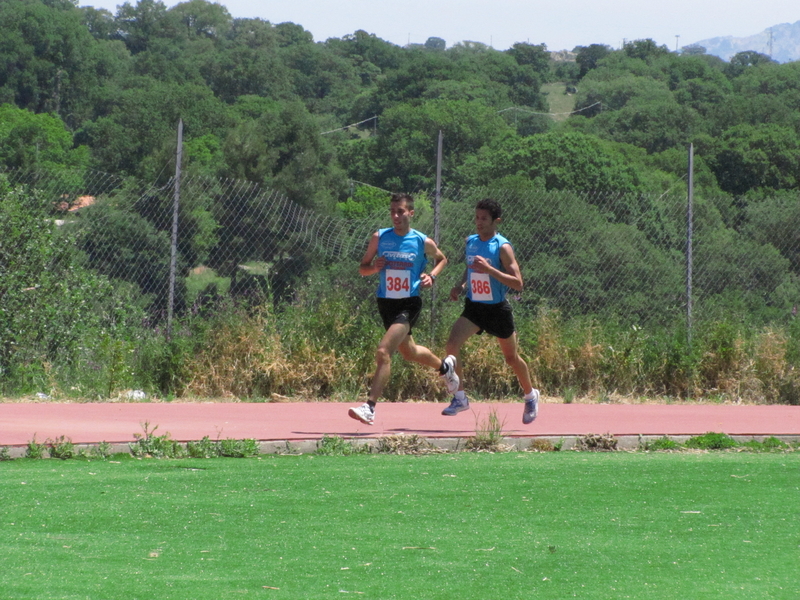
(492, 206)
(403, 196)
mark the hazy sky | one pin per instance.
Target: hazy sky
(561, 25)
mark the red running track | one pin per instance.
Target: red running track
(118, 422)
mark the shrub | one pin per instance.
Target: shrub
(768, 444)
(488, 435)
(35, 449)
(711, 441)
(662, 443)
(155, 446)
(61, 447)
(336, 446)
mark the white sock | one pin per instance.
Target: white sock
(529, 395)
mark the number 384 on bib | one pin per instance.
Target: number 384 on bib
(398, 283)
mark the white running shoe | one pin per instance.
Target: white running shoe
(450, 376)
(363, 413)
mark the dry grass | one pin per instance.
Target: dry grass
(406, 444)
(754, 370)
(247, 358)
(488, 435)
(593, 442)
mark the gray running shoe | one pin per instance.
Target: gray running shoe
(531, 408)
(456, 406)
(450, 376)
(363, 413)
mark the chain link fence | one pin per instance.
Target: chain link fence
(89, 265)
(620, 257)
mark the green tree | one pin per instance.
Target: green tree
(371, 56)
(645, 50)
(325, 81)
(735, 270)
(749, 157)
(99, 22)
(50, 307)
(704, 94)
(589, 57)
(534, 55)
(406, 147)
(654, 126)
(742, 61)
(247, 63)
(47, 58)
(435, 43)
(364, 201)
(693, 50)
(291, 34)
(28, 140)
(144, 117)
(556, 161)
(203, 19)
(141, 23)
(282, 149)
(121, 244)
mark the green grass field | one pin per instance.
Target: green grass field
(519, 525)
(560, 102)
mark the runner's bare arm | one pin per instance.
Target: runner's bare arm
(458, 288)
(439, 260)
(512, 277)
(369, 264)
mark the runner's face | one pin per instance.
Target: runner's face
(484, 225)
(401, 215)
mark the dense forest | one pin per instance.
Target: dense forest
(90, 91)
(85, 87)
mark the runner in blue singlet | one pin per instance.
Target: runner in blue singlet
(492, 269)
(399, 255)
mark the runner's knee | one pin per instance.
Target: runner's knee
(382, 355)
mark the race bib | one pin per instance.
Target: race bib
(398, 283)
(480, 287)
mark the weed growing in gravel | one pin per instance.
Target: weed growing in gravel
(333, 445)
(662, 443)
(488, 435)
(101, 450)
(711, 441)
(35, 449)
(61, 447)
(769, 444)
(155, 446)
(406, 444)
(238, 448)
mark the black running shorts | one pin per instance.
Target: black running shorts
(400, 310)
(495, 319)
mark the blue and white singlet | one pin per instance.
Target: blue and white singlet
(481, 287)
(405, 262)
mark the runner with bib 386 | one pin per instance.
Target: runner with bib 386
(492, 269)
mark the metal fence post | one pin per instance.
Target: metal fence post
(436, 206)
(174, 249)
(689, 233)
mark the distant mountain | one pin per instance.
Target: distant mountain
(783, 47)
